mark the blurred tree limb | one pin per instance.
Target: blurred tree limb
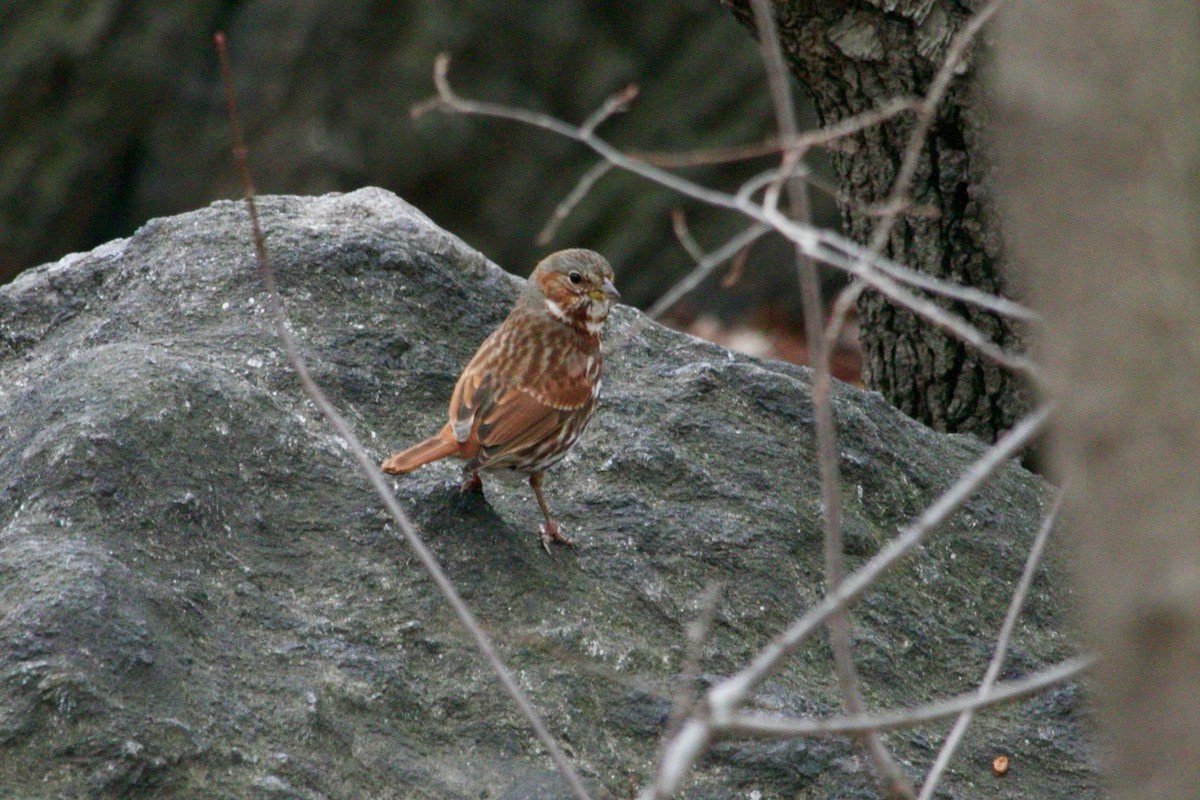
(1098, 108)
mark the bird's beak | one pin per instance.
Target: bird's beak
(606, 292)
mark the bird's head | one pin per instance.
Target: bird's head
(575, 287)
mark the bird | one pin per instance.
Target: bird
(528, 393)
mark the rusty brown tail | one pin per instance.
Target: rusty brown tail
(422, 453)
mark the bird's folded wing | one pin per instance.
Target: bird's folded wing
(509, 408)
(471, 390)
(513, 422)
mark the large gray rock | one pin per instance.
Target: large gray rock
(200, 597)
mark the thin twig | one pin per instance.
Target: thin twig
(613, 105)
(829, 135)
(725, 695)
(725, 699)
(705, 265)
(765, 725)
(925, 116)
(563, 209)
(833, 190)
(1015, 606)
(366, 464)
(855, 259)
(736, 265)
(684, 236)
(697, 636)
(883, 226)
(888, 772)
(704, 268)
(881, 274)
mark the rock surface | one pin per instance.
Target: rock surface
(200, 598)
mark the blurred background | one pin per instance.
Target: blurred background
(111, 114)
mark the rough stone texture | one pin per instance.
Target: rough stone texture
(200, 598)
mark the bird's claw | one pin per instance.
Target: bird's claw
(550, 533)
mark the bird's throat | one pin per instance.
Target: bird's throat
(582, 315)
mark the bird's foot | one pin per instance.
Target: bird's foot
(550, 533)
(472, 485)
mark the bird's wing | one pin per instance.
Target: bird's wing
(513, 422)
(508, 398)
(474, 387)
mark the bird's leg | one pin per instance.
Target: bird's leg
(473, 484)
(549, 530)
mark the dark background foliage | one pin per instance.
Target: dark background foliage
(111, 115)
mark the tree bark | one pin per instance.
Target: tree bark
(1098, 112)
(852, 56)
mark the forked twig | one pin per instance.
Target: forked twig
(704, 268)
(925, 116)
(823, 245)
(368, 467)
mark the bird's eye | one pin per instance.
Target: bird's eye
(575, 277)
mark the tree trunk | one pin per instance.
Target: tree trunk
(852, 56)
(1099, 108)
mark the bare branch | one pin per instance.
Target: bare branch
(772, 726)
(832, 189)
(613, 105)
(855, 259)
(563, 209)
(367, 465)
(760, 181)
(889, 773)
(926, 112)
(736, 265)
(955, 291)
(684, 236)
(897, 200)
(838, 314)
(822, 245)
(802, 142)
(993, 671)
(725, 696)
(705, 267)
(697, 636)
(449, 100)
(422, 108)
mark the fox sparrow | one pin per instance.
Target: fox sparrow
(524, 399)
